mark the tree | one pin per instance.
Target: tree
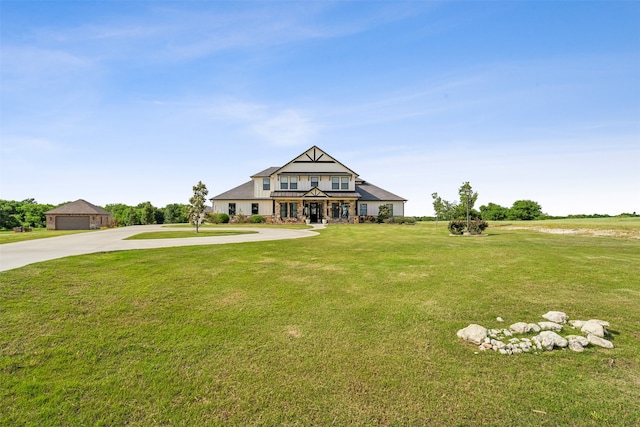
(176, 213)
(467, 199)
(525, 210)
(438, 206)
(197, 204)
(493, 212)
(146, 213)
(384, 212)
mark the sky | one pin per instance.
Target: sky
(134, 101)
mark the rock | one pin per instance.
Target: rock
(549, 339)
(556, 316)
(519, 328)
(579, 339)
(576, 346)
(577, 323)
(507, 333)
(550, 326)
(602, 322)
(533, 327)
(473, 333)
(593, 327)
(596, 340)
(499, 319)
(498, 344)
(485, 346)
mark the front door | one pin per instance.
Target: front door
(314, 211)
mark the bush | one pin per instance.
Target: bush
(404, 220)
(240, 219)
(218, 218)
(477, 226)
(457, 226)
(257, 219)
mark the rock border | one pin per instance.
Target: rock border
(503, 341)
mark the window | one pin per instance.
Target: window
(345, 183)
(335, 210)
(314, 181)
(293, 183)
(345, 210)
(232, 209)
(254, 209)
(335, 183)
(284, 183)
(363, 209)
(266, 184)
(390, 205)
(288, 210)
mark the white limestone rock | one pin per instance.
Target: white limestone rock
(519, 328)
(602, 322)
(499, 319)
(579, 339)
(550, 339)
(473, 333)
(533, 327)
(576, 346)
(577, 323)
(550, 326)
(596, 340)
(593, 327)
(556, 316)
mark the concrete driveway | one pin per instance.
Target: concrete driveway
(15, 255)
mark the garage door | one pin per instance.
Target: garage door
(72, 223)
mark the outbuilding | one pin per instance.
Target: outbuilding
(78, 215)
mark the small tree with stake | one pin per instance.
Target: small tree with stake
(467, 198)
(197, 204)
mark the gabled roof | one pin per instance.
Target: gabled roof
(315, 155)
(241, 192)
(79, 207)
(370, 192)
(266, 173)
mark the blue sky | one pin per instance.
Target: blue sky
(133, 101)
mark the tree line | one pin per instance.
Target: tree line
(30, 213)
(451, 210)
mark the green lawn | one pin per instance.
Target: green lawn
(36, 233)
(184, 233)
(356, 326)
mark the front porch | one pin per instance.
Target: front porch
(315, 211)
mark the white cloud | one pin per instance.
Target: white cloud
(286, 127)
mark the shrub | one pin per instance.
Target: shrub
(477, 226)
(457, 226)
(257, 219)
(404, 220)
(218, 218)
(240, 219)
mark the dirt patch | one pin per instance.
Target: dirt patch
(627, 234)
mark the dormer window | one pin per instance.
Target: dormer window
(266, 184)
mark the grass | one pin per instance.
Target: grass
(247, 224)
(183, 233)
(36, 233)
(356, 326)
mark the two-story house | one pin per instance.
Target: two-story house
(313, 186)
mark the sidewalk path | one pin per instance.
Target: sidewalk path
(19, 254)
